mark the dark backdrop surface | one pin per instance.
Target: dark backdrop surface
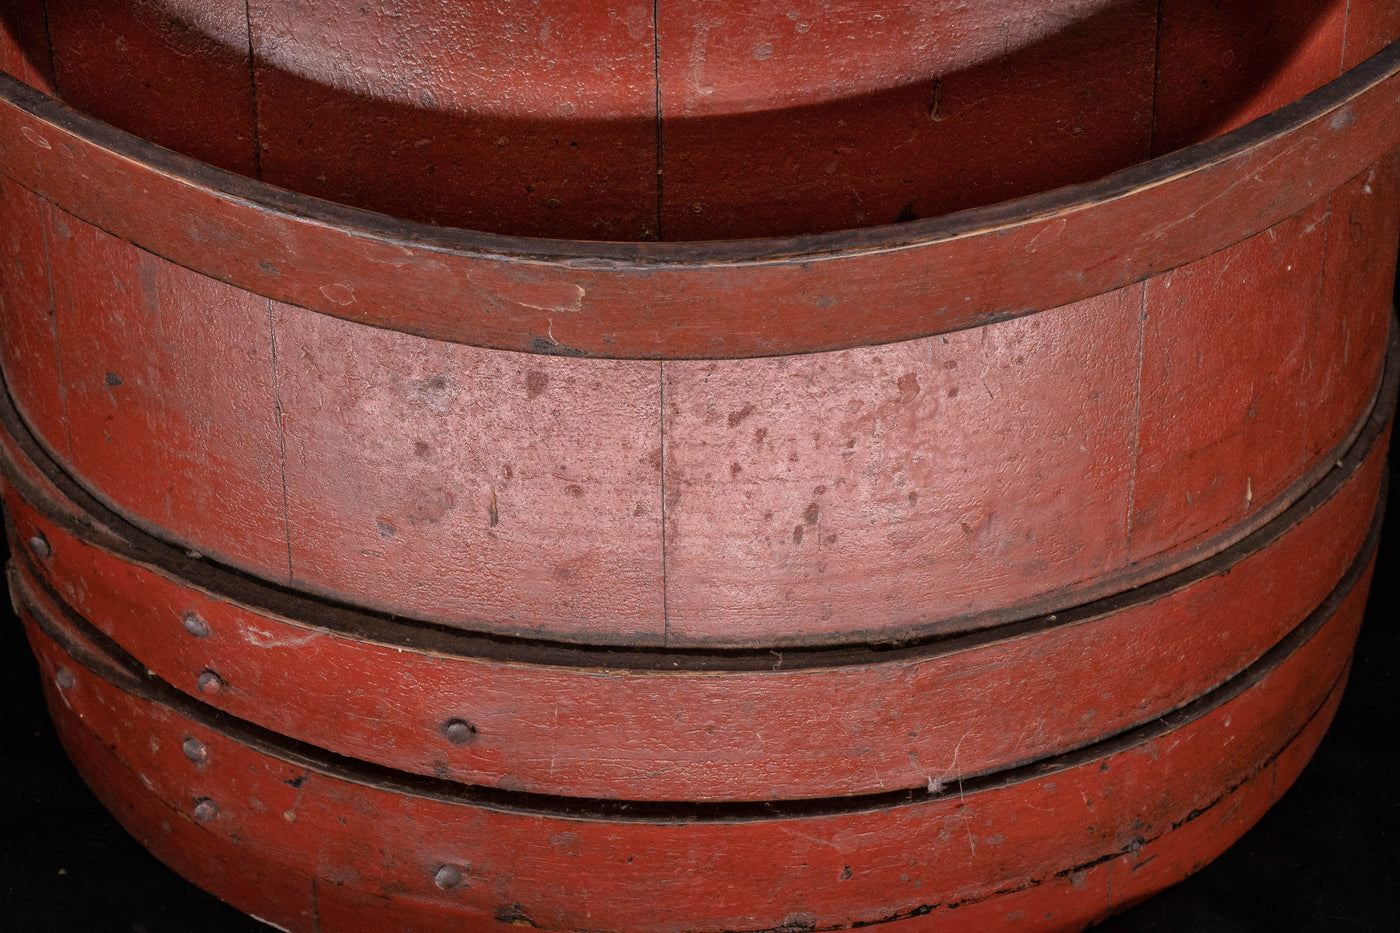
(1326, 857)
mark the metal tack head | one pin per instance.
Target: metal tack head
(64, 678)
(448, 876)
(459, 731)
(195, 750)
(40, 546)
(205, 809)
(210, 682)
(195, 624)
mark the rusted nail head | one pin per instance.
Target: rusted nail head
(205, 809)
(209, 682)
(448, 876)
(459, 731)
(64, 678)
(40, 546)
(195, 750)
(195, 625)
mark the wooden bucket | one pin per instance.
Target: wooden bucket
(818, 566)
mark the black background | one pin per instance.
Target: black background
(1326, 857)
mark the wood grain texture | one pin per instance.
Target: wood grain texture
(339, 557)
(797, 118)
(29, 348)
(747, 298)
(886, 489)
(24, 43)
(338, 380)
(1225, 394)
(1371, 26)
(691, 120)
(780, 724)
(1220, 65)
(537, 120)
(1357, 284)
(512, 493)
(765, 56)
(941, 712)
(566, 873)
(217, 864)
(169, 396)
(175, 72)
(221, 865)
(870, 494)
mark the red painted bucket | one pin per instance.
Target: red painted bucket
(887, 564)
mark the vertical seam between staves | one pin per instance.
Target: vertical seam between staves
(1137, 422)
(281, 438)
(1156, 79)
(1346, 34)
(253, 89)
(46, 228)
(1317, 319)
(53, 63)
(665, 595)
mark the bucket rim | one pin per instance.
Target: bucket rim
(683, 299)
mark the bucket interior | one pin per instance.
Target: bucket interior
(684, 120)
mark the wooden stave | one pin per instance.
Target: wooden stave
(670, 572)
(269, 664)
(349, 860)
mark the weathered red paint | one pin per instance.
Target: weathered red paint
(784, 474)
(516, 493)
(28, 341)
(474, 635)
(1221, 65)
(25, 52)
(419, 126)
(785, 119)
(1220, 426)
(690, 120)
(857, 724)
(1024, 465)
(746, 298)
(168, 394)
(1371, 25)
(176, 73)
(563, 871)
(220, 864)
(1357, 285)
